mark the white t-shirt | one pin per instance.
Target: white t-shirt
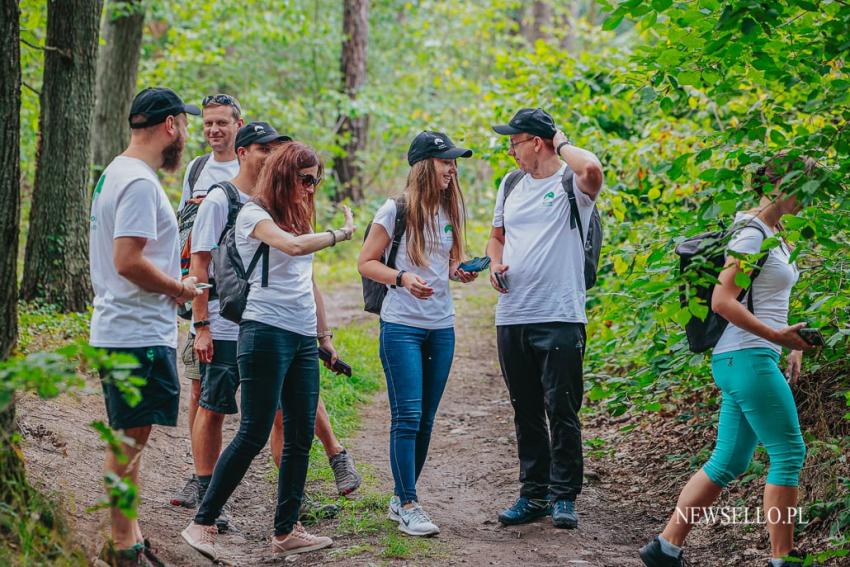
(400, 306)
(288, 302)
(545, 258)
(771, 289)
(209, 224)
(213, 172)
(129, 201)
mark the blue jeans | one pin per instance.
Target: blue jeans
(416, 363)
(275, 367)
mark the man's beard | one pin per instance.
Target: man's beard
(171, 155)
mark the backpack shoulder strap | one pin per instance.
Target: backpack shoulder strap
(262, 252)
(398, 230)
(567, 181)
(511, 182)
(234, 202)
(759, 264)
(195, 172)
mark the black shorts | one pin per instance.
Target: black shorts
(160, 395)
(220, 379)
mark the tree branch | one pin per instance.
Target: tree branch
(66, 53)
(24, 83)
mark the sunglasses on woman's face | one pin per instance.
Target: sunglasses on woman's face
(307, 179)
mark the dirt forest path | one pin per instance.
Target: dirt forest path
(471, 473)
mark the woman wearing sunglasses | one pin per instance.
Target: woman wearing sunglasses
(277, 354)
(417, 315)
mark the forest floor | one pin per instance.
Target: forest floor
(631, 481)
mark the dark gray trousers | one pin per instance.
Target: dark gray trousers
(542, 367)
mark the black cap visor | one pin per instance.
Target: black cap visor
(453, 153)
(507, 130)
(269, 138)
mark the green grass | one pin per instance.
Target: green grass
(44, 327)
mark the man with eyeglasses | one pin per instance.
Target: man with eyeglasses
(222, 116)
(537, 266)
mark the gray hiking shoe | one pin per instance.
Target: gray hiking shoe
(189, 496)
(416, 522)
(312, 511)
(347, 478)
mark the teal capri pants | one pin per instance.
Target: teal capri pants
(757, 407)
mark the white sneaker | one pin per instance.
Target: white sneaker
(415, 521)
(299, 541)
(395, 509)
(202, 539)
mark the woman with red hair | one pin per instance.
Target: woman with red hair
(277, 354)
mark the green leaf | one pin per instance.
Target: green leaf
(742, 280)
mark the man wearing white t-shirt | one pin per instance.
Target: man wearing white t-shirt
(135, 272)
(538, 267)
(222, 117)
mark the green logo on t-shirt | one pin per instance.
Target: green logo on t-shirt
(97, 190)
(448, 228)
(548, 199)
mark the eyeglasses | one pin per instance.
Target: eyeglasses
(220, 99)
(307, 179)
(515, 144)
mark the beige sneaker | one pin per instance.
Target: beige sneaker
(202, 539)
(299, 541)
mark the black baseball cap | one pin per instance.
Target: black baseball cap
(258, 133)
(158, 103)
(429, 144)
(534, 121)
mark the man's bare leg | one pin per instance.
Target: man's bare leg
(126, 532)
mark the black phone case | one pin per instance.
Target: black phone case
(340, 367)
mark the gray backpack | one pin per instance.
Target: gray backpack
(593, 242)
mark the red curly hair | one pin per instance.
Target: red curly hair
(279, 189)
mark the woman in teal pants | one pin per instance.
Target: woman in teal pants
(757, 405)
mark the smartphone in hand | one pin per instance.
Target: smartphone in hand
(811, 336)
(339, 366)
(502, 280)
(477, 264)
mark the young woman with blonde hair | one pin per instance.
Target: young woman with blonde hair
(417, 315)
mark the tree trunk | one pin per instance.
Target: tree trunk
(353, 128)
(11, 465)
(117, 67)
(532, 25)
(56, 261)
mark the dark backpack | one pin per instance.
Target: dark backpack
(231, 277)
(593, 242)
(375, 292)
(234, 205)
(701, 259)
(186, 215)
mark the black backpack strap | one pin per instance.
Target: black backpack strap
(195, 172)
(398, 230)
(234, 205)
(262, 252)
(511, 182)
(575, 219)
(757, 270)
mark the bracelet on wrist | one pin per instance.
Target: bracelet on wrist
(322, 334)
(180, 291)
(398, 279)
(333, 237)
(201, 323)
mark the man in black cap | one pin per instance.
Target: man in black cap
(538, 267)
(135, 272)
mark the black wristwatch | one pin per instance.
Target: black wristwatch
(398, 279)
(201, 323)
(561, 145)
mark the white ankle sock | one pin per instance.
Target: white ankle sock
(777, 562)
(668, 548)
